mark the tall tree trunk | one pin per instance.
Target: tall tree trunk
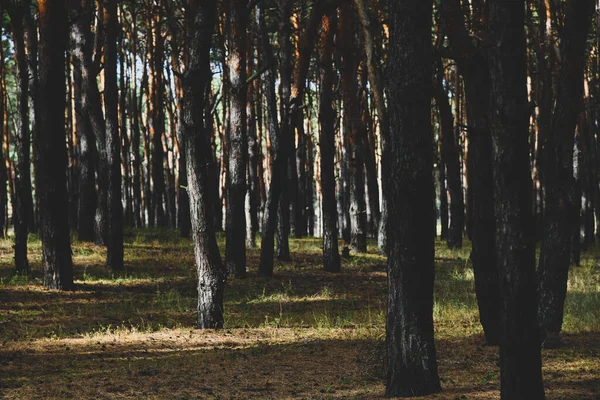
(520, 354)
(125, 149)
(278, 159)
(111, 103)
(211, 272)
(90, 124)
(371, 28)
(237, 142)
(87, 151)
(23, 201)
(135, 127)
(559, 189)
(91, 91)
(157, 125)
(56, 240)
(331, 255)
(252, 196)
(286, 221)
(31, 38)
(450, 158)
(475, 71)
(412, 365)
(353, 127)
(3, 169)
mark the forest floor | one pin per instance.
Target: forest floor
(302, 334)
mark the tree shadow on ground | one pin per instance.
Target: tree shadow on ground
(249, 363)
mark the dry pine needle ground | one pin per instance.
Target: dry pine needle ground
(302, 334)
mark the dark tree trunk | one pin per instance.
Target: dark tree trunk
(353, 131)
(111, 106)
(237, 142)
(286, 221)
(211, 272)
(146, 169)
(91, 91)
(34, 117)
(56, 241)
(443, 197)
(558, 181)
(23, 200)
(135, 128)
(520, 354)
(87, 154)
(157, 126)
(475, 71)
(125, 149)
(370, 30)
(252, 196)
(411, 359)
(586, 128)
(331, 255)
(216, 204)
(3, 170)
(88, 121)
(450, 158)
(278, 159)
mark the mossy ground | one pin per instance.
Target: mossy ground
(301, 334)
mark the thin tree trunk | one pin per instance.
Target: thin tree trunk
(278, 159)
(3, 169)
(237, 142)
(286, 221)
(450, 158)
(23, 201)
(211, 272)
(157, 125)
(252, 195)
(111, 103)
(331, 256)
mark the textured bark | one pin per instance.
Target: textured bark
(520, 354)
(125, 141)
(237, 142)
(331, 255)
(82, 47)
(286, 220)
(411, 358)
(278, 159)
(559, 185)
(80, 43)
(31, 37)
(23, 200)
(473, 66)
(136, 163)
(87, 154)
(111, 107)
(211, 272)
(354, 131)
(56, 241)
(252, 195)
(157, 125)
(371, 30)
